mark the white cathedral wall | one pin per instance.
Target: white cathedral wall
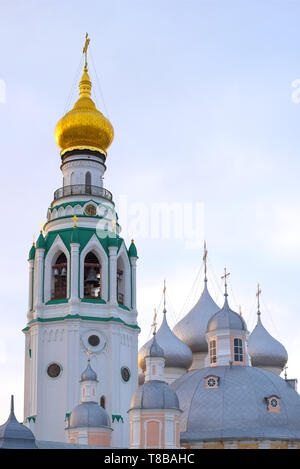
(63, 343)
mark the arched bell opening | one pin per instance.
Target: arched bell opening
(92, 276)
(120, 281)
(59, 278)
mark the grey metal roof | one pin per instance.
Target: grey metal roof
(89, 414)
(153, 349)
(264, 350)
(237, 408)
(177, 353)
(154, 395)
(15, 435)
(226, 319)
(89, 374)
(192, 328)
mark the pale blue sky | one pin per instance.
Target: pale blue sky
(200, 97)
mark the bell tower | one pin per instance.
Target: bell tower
(82, 286)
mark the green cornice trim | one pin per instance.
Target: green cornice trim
(123, 307)
(84, 318)
(93, 300)
(118, 418)
(32, 417)
(54, 302)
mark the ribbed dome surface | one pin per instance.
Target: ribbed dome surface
(14, 434)
(237, 408)
(89, 374)
(154, 395)
(264, 350)
(226, 319)
(177, 354)
(89, 414)
(153, 349)
(84, 127)
(192, 328)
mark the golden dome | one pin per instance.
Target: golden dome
(84, 127)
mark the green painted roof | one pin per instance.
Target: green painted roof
(41, 242)
(31, 253)
(132, 252)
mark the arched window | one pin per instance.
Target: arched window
(59, 278)
(238, 350)
(92, 276)
(213, 352)
(102, 401)
(72, 179)
(88, 182)
(120, 282)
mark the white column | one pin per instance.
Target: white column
(74, 297)
(133, 282)
(30, 292)
(113, 275)
(39, 267)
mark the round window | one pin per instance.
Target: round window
(93, 340)
(125, 373)
(53, 370)
(211, 382)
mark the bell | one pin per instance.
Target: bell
(55, 272)
(92, 277)
(63, 272)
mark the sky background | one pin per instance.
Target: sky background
(201, 99)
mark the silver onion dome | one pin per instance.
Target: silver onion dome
(226, 319)
(89, 414)
(154, 395)
(177, 354)
(264, 350)
(192, 328)
(89, 374)
(153, 349)
(15, 435)
(237, 408)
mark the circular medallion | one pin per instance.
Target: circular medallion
(274, 402)
(94, 340)
(53, 370)
(90, 210)
(125, 373)
(211, 382)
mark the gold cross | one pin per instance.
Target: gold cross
(258, 295)
(226, 274)
(86, 45)
(240, 310)
(205, 260)
(154, 324)
(75, 220)
(113, 225)
(89, 353)
(41, 225)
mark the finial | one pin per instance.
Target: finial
(75, 220)
(285, 373)
(89, 353)
(205, 262)
(132, 241)
(240, 310)
(154, 324)
(33, 241)
(86, 45)
(226, 274)
(164, 293)
(12, 404)
(41, 225)
(258, 295)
